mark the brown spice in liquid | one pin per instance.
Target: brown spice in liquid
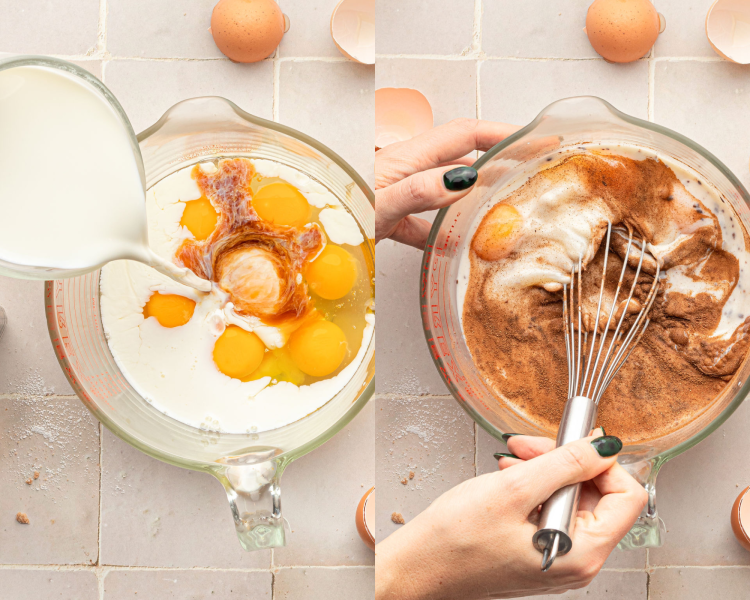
(517, 341)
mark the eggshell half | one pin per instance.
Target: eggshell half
(728, 29)
(623, 31)
(400, 114)
(353, 30)
(248, 31)
(365, 518)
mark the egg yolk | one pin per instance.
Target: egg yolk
(200, 217)
(332, 274)
(278, 365)
(281, 204)
(318, 349)
(497, 233)
(171, 310)
(237, 353)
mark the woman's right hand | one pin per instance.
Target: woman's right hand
(474, 541)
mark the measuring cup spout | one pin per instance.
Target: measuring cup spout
(254, 496)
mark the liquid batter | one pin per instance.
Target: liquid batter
(523, 249)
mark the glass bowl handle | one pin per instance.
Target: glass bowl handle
(254, 495)
(649, 530)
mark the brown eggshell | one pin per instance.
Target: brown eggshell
(400, 114)
(247, 31)
(622, 31)
(364, 519)
(741, 518)
(728, 30)
(353, 30)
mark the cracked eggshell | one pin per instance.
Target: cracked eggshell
(247, 31)
(400, 114)
(365, 518)
(353, 30)
(728, 29)
(622, 31)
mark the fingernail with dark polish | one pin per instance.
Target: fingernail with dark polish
(607, 445)
(506, 436)
(499, 455)
(460, 178)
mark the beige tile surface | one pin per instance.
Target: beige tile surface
(428, 436)
(459, 99)
(320, 494)
(183, 585)
(67, 27)
(58, 439)
(536, 29)
(309, 29)
(695, 493)
(699, 584)
(685, 34)
(403, 359)
(148, 29)
(612, 585)
(50, 584)
(714, 114)
(157, 515)
(442, 27)
(515, 91)
(323, 584)
(146, 89)
(340, 112)
(28, 364)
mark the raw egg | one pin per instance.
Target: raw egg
(237, 353)
(622, 31)
(200, 218)
(332, 274)
(498, 232)
(728, 30)
(253, 278)
(279, 366)
(247, 31)
(318, 348)
(281, 204)
(171, 310)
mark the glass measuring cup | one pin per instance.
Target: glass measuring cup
(249, 466)
(568, 122)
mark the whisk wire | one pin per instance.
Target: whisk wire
(592, 364)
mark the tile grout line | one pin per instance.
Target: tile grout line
(651, 85)
(101, 494)
(101, 37)
(104, 569)
(276, 86)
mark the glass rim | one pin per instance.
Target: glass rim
(499, 147)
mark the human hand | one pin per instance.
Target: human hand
(428, 172)
(474, 541)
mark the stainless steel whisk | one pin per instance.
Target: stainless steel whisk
(592, 364)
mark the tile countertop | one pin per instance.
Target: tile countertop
(506, 60)
(107, 521)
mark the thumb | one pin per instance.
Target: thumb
(423, 191)
(537, 479)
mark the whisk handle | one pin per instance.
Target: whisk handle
(558, 513)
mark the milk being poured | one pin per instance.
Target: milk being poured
(72, 191)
